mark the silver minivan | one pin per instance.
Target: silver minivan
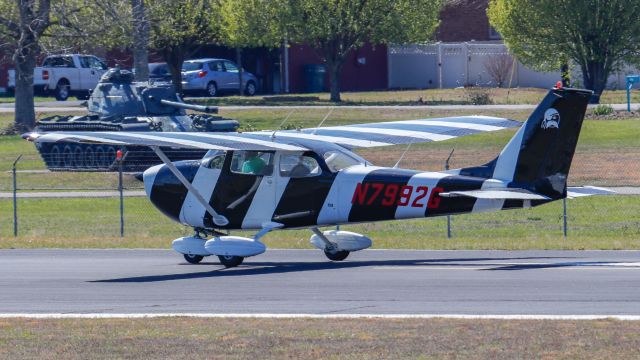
(214, 76)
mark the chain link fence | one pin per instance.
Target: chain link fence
(109, 210)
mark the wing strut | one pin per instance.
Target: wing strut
(219, 220)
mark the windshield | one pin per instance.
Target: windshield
(337, 160)
(191, 66)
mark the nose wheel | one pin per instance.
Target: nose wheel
(334, 255)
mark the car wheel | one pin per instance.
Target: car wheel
(62, 90)
(250, 89)
(212, 89)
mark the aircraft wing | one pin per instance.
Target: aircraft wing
(349, 136)
(396, 132)
(188, 140)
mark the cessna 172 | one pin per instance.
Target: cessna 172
(310, 178)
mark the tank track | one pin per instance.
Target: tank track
(95, 158)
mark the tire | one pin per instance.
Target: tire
(101, 158)
(78, 156)
(230, 261)
(250, 88)
(110, 155)
(193, 259)
(67, 157)
(62, 90)
(89, 157)
(55, 157)
(212, 89)
(336, 255)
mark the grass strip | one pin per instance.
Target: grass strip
(235, 338)
(605, 222)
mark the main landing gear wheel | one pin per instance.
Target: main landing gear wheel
(230, 261)
(336, 255)
(193, 259)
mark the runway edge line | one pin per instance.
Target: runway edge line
(317, 316)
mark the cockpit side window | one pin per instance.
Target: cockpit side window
(337, 160)
(252, 162)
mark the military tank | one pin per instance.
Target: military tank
(120, 104)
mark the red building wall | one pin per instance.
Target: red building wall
(370, 73)
(465, 20)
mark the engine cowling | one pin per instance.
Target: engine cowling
(234, 246)
(344, 240)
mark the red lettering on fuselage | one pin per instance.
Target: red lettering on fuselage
(395, 195)
(360, 194)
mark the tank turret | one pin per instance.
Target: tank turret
(118, 103)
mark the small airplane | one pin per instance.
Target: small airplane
(311, 178)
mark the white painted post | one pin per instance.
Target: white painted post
(439, 65)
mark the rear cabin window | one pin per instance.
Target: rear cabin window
(298, 166)
(337, 161)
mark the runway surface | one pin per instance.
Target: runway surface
(304, 282)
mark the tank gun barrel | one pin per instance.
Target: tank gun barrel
(200, 108)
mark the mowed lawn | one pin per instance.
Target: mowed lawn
(456, 96)
(247, 338)
(609, 222)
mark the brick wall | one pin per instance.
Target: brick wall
(464, 20)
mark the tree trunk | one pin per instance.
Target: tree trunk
(595, 75)
(174, 57)
(239, 61)
(24, 59)
(25, 116)
(335, 70)
(140, 40)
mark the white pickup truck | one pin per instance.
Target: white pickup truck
(65, 75)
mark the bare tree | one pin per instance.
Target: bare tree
(499, 67)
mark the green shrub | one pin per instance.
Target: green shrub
(602, 109)
(477, 95)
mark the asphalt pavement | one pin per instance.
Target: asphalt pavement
(304, 282)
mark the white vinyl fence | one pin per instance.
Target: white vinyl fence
(450, 65)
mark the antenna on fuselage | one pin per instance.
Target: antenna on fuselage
(273, 136)
(322, 122)
(446, 163)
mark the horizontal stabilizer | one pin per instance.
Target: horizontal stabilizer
(497, 194)
(579, 191)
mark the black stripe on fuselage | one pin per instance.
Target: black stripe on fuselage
(232, 196)
(168, 193)
(377, 191)
(453, 205)
(302, 200)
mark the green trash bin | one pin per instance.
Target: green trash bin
(314, 78)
